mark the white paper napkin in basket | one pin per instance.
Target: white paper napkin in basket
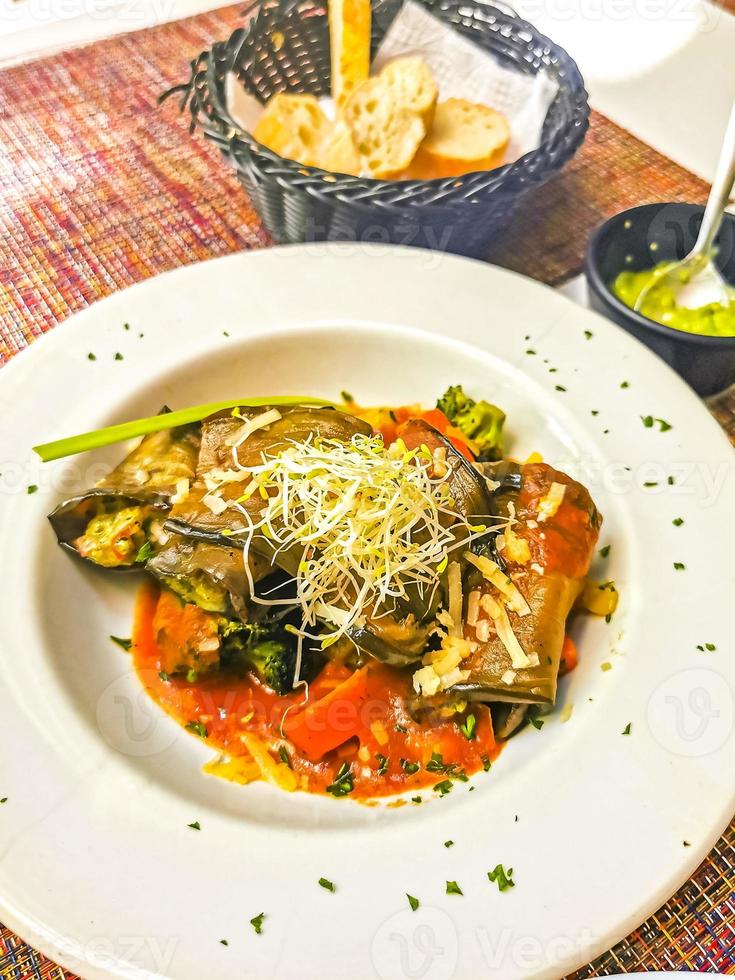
(461, 69)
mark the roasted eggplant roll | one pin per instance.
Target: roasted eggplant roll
(110, 524)
(546, 552)
(206, 513)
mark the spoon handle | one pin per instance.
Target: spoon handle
(719, 193)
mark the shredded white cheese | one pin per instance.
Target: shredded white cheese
(497, 577)
(182, 491)
(507, 637)
(454, 581)
(441, 669)
(549, 504)
(508, 677)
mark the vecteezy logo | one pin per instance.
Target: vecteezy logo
(420, 945)
(130, 722)
(691, 713)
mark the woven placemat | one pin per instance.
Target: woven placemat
(101, 189)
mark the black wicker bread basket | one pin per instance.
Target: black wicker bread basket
(285, 47)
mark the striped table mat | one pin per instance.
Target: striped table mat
(101, 189)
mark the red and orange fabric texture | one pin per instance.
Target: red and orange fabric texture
(102, 189)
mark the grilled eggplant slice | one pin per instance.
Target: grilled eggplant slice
(196, 515)
(211, 576)
(108, 524)
(560, 546)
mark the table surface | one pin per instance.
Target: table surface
(101, 189)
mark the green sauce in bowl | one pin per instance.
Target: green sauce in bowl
(714, 319)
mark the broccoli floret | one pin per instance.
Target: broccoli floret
(454, 401)
(479, 421)
(275, 661)
(269, 650)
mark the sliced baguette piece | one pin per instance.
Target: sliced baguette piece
(386, 135)
(464, 137)
(410, 84)
(339, 153)
(293, 126)
(349, 39)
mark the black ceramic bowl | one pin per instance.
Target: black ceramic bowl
(639, 239)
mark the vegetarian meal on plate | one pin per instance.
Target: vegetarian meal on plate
(391, 126)
(338, 599)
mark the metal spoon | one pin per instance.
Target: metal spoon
(695, 280)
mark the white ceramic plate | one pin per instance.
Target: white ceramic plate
(99, 868)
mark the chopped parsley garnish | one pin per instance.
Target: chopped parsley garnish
(416, 800)
(679, 566)
(560, 387)
(594, 411)
(651, 483)
(225, 333)
(468, 727)
(444, 787)
(530, 352)
(382, 764)
(626, 730)
(224, 942)
(4, 799)
(347, 397)
(588, 334)
(122, 643)
(257, 922)
(608, 617)
(343, 783)
(197, 727)
(163, 675)
(449, 843)
(192, 675)
(327, 884)
(625, 384)
(437, 764)
(145, 552)
(32, 488)
(604, 552)
(453, 888)
(413, 902)
(284, 756)
(710, 647)
(126, 326)
(678, 521)
(195, 825)
(538, 723)
(409, 767)
(670, 480)
(502, 878)
(649, 420)
(605, 665)
(91, 356)
(687, 843)
(486, 763)
(118, 356)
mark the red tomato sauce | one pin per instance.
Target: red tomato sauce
(386, 748)
(564, 543)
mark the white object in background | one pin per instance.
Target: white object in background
(462, 70)
(662, 69)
